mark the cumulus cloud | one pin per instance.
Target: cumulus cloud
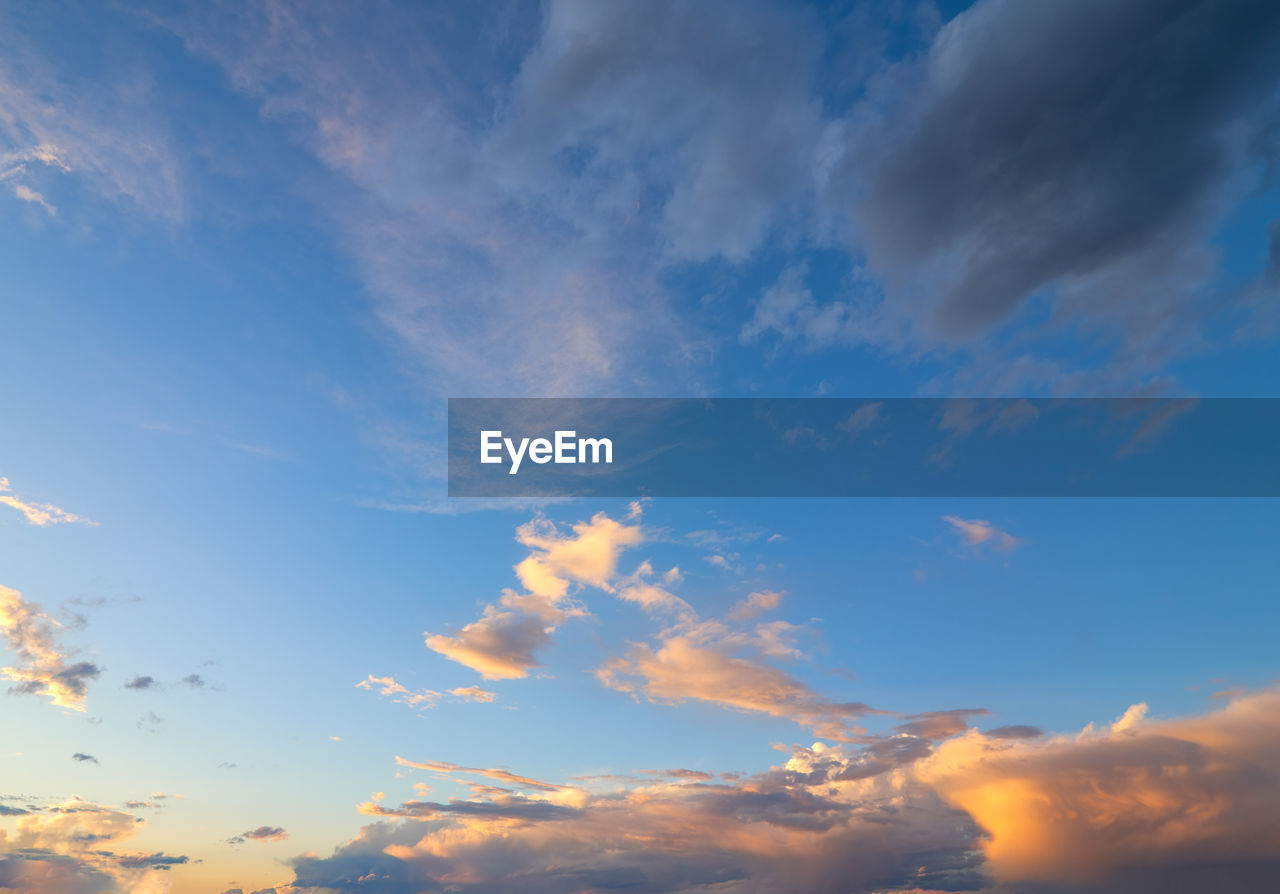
(979, 532)
(1141, 799)
(32, 634)
(39, 514)
(1134, 807)
(502, 642)
(73, 847)
(693, 659)
(498, 646)
(1103, 143)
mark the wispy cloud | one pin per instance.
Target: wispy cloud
(978, 532)
(39, 514)
(423, 699)
(709, 662)
(755, 604)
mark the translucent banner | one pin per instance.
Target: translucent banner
(854, 447)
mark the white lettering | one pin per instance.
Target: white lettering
(596, 445)
(540, 451)
(565, 449)
(516, 456)
(564, 444)
(490, 447)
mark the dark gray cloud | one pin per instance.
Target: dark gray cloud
(1015, 731)
(1093, 146)
(939, 724)
(82, 758)
(509, 808)
(262, 833)
(195, 681)
(152, 861)
(141, 682)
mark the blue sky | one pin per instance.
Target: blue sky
(250, 250)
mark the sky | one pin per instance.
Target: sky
(249, 249)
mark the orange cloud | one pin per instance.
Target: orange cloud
(502, 642)
(71, 847)
(421, 698)
(33, 636)
(39, 514)
(705, 661)
(755, 604)
(1139, 794)
(1137, 806)
(977, 531)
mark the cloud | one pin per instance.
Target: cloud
(649, 596)
(70, 116)
(81, 757)
(142, 682)
(755, 604)
(1143, 799)
(706, 661)
(562, 246)
(498, 775)
(262, 833)
(502, 642)
(1133, 807)
(978, 532)
(498, 646)
(692, 660)
(1015, 731)
(387, 686)
(72, 847)
(552, 165)
(473, 694)
(39, 514)
(422, 698)
(27, 194)
(32, 634)
(861, 419)
(1113, 218)
(195, 681)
